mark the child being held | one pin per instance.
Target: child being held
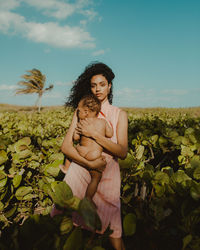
(89, 107)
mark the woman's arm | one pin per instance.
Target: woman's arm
(118, 149)
(69, 150)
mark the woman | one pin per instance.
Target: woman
(97, 79)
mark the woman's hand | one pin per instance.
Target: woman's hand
(86, 128)
(99, 163)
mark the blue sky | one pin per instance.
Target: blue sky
(153, 47)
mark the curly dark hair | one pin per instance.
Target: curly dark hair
(82, 84)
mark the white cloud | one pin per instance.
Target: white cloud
(98, 52)
(55, 35)
(11, 22)
(89, 13)
(127, 92)
(175, 91)
(51, 33)
(83, 22)
(9, 4)
(59, 83)
(61, 9)
(7, 87)
(149, 97)
(53, 95)
(53, 8)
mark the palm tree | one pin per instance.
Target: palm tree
(34, 83)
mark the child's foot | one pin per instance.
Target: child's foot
(63, 168)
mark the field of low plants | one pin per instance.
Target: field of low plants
(160, 192)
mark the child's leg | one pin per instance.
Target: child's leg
(92, 186)
(95, 176)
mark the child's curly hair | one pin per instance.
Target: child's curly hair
(92, 103)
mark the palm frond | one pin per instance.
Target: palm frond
(27, 84)
(49, 88)
(35, 72)
(33, 82)
(25, 91)
(36, 80)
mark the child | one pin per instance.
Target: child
(89, 107)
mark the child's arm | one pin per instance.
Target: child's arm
(109, 130)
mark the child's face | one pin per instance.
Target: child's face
(84, 112)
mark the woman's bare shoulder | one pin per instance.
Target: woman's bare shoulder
(123, 114)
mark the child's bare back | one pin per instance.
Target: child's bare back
(87, 147)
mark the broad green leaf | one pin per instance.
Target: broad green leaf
(22, 191)
(3, 157)
(129, 224)
(73, 203)
(128, 162)
(61, 193)
(3, 179)
(168, 170)
(160, 190)
(17, 180)
(186, 151)
(134, 141)
(57, 157)
(24, 154)
(186, 240)
(173, 134)
(161, 178)
(1, 206)
(147, 175)
(180, 176)
(196, 173)
(145, 142)
(53, 168)
(154, 139)
(89, 214)
(185, 141)
(139, 152)
(192, 138)
(22, 144)
(189, 131)
(162, 140)
(11, 212)
(74, 241)
(195, 191)
(66, 225)
(178, 140)
(3, 192)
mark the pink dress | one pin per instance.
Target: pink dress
(107, 197)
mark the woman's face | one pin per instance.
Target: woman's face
(100, 87)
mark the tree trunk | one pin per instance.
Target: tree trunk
(40, 102)
(36, 103)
